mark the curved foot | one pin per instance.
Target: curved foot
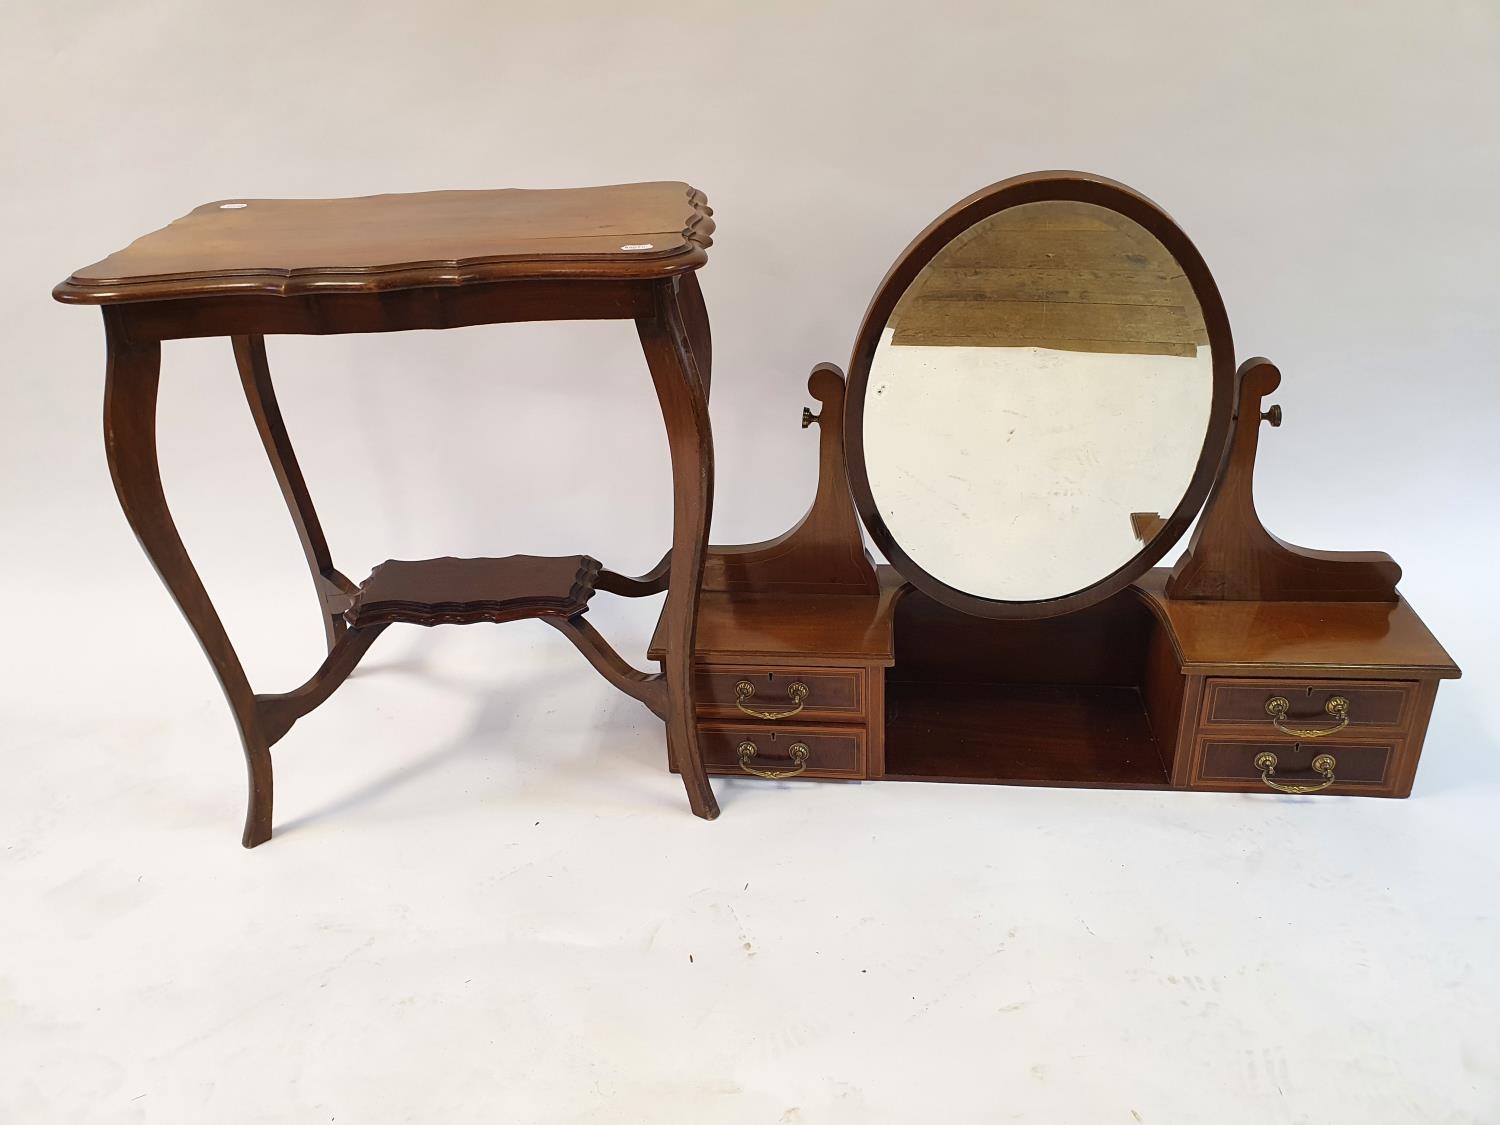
(668, 345)
(130, 392)
(258, 818)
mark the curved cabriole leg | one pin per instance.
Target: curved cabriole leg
(695, 322)
(130, 442)
(684, 407)
(333, 589)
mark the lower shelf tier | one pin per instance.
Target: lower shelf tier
(1084, 735)
(451, 591)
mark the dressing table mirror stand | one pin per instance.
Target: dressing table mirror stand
(1251, 665)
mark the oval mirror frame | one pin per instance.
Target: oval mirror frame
(1039, 187)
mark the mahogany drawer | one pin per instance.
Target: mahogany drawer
(1368, 768)
(1386, 704)
(831, 751)
(798, 694)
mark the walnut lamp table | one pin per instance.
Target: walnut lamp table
(249, 268)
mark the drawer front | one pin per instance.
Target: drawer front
(831, 751)
(798, 694)
(1359, 767)
(1387, 705)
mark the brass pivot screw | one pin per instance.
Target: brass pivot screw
(808, 418)
(1273, 415)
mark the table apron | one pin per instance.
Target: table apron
(400, 310)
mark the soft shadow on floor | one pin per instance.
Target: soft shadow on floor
(623, 746)
(488, 730)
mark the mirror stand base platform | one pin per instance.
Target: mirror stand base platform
(1251, 666)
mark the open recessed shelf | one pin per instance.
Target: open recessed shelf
(1037, 734)
(1058, 701)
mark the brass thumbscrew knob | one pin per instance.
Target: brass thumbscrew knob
(808, 417)
(1273, 415)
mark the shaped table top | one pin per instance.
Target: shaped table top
(378, 243)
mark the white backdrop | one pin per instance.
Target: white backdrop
(487, 900)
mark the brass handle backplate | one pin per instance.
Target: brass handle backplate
(1277, 707)
(748, 750)
(1323, 764)
(796, 692)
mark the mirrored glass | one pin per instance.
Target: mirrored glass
(1038, 401)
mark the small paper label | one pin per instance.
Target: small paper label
(232, 206)
(638, 246)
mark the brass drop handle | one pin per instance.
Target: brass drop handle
(1277, 707)
(1323, 764)
(798, 751)
(796, 692)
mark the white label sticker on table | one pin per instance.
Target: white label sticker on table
(637, 246)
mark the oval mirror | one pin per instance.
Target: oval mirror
(1039, 397)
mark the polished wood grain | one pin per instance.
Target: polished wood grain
(834, 752)
(1359, 639)
(1363, 768)
(832, 695)
(450, 591)
(396, 310)
(824, 552)
(1104, 644)
(1170, 700)
(1085, 735)
(393, 263)
(1231, 702)
(838, 629)
(131, 382)
(1058, 700)
(1233, 557)
(373, 243)
(666, 338)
